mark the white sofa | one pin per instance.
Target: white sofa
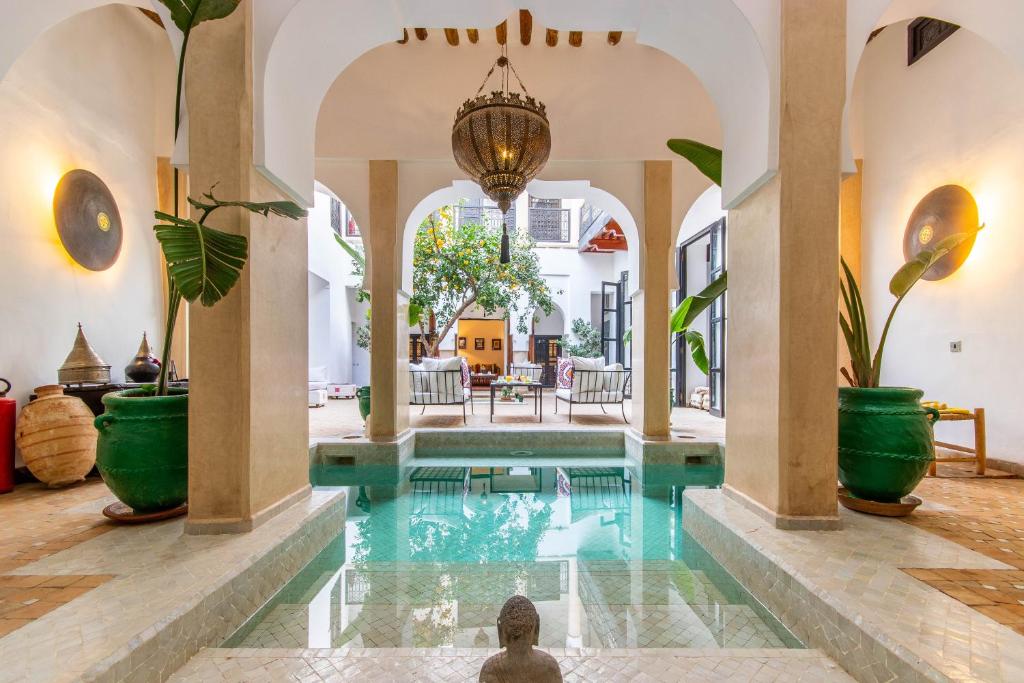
(317, 386)
(440, 382)
(594, 383)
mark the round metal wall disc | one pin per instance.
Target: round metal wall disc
(944, 211)
(88, 221)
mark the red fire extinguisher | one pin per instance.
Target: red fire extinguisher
(7, 411)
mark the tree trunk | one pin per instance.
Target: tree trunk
(466, 303)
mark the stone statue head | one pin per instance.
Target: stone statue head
(518, 623)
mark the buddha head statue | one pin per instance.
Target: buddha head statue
(518, 624)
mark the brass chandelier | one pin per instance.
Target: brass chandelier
(502, 141)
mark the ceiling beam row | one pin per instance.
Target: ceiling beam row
(501, 34)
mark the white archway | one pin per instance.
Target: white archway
(547, 189)
(554, 324)
(996, 21)
(714, 38)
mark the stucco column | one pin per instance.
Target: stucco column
(651, 306)
(389, 322)
(783, 290)
(248, 420)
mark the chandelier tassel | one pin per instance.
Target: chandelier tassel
(506, 255)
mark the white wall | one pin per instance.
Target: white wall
(705, 211)
(91, 93)
(329, 262)
(956, 116)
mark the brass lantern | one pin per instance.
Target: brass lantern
(502, 141)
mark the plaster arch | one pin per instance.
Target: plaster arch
(996, 21)
(714, 38)
(548, 189)
(557, 313)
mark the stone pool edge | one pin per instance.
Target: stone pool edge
(216, 611)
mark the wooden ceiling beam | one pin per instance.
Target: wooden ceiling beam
(452, 36)
(405, 37)
(152, 16)
(501, 32)
(551, 37)
(525, 26)
(473, 35)
(614, 37)
(421, 33)
(576, 38)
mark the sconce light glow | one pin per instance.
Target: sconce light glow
(944, 211)
(88, 222)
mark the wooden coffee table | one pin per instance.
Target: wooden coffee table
(536, 388)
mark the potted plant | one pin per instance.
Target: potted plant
(142, 451)
(885, 434)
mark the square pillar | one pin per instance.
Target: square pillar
(389, 321)
(248, 419)
(651, 306)
(781, 426)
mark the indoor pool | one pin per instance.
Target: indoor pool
(432, 550)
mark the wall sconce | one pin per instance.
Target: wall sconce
(942, 212)
(88, 222)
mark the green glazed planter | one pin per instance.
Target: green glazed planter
(363, 395)
(885, 441)
(142, 452)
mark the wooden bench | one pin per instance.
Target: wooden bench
(977, 454)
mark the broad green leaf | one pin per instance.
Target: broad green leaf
(707, 159)
(356, 255)
(914, 269)
(284, 209)
(692, 306)
(696, 341)
(187, 14)
(204, 263)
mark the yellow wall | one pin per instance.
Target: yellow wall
(488, 329)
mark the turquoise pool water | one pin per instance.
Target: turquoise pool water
(431, 551)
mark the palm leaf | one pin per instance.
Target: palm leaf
(203, 262)
(187, 14)
(356, 255)
(284, 209)
(696, 341)
(914, 269)
(692, 306)
(707, 159)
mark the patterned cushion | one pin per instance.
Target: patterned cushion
(564, 373)
(465, 372)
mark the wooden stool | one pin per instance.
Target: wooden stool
(976, 454)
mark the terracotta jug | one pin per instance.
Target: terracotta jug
(56, 436)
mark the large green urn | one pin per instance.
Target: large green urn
(363, 396)
(885, 441)
(142, 452)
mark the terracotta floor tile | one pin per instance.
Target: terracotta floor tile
(8, 625)
(33, 611)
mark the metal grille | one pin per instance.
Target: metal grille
(488, 216)
(549, 224)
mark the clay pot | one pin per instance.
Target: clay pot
(56, 436)
(885, 441)
(143, 448)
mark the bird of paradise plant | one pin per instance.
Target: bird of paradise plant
(203, 263)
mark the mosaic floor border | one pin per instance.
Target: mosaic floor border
(463, 664)
(846, 593)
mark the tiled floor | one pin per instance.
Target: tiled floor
(456, 664)
(985, 515)
(37, 523)
(846, 593)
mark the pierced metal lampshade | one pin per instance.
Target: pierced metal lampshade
(502, 141)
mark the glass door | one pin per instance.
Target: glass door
(716, 323)
(611, 321)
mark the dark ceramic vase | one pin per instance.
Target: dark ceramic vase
(885, 441)
(144, 368)
(142, 452)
